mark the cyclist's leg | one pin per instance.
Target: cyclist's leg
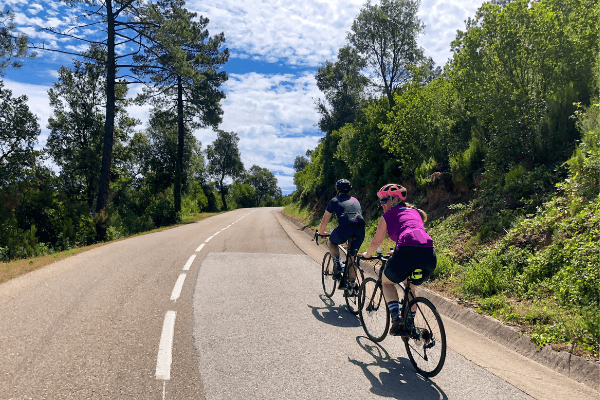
(426, 260)
(389, 289)
(338, 236)
(334, 240)
(333, 249)
(396, 271)
(359, 233)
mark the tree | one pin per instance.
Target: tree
(77, 126)
(343, 85)
(19, 131)
(119, 25)
(242, 194)
(224, 160)
(183, 64)
(386, 36)
(300, 163)
(13, 46)
(263, 182)
(516, 76)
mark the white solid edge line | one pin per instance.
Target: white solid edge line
(177, 288)
(165, 348)
(206, 241)
(200, 247)
(189, 262)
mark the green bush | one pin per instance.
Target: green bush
(444, 266)
(485, 278)
(464, 164)
(493, 304)
(423, 172)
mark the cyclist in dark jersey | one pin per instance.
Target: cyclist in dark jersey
(350, 223)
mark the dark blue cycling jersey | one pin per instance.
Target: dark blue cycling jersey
(347, 209)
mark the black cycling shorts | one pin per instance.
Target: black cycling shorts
(408, 258)
(343, 232)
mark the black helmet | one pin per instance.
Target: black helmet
(343, 185)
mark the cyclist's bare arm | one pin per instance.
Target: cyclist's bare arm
(324, 222)
(380, 234)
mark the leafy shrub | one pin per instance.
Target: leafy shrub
(113, 233)
(444, 266)
(423, 172)
(484, 278)
(492, 304)
(578, 279)
(464, 164)
(162, 209)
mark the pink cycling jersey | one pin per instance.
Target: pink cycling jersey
(405, 227)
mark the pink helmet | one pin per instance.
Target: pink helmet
(391, 189)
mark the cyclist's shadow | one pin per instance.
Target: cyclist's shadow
(332, 314)
(398, 380)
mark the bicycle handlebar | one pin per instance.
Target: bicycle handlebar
(317, 237)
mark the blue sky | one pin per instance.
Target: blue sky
(275, 49)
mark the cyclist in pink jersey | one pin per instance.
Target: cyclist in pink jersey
(414, 247)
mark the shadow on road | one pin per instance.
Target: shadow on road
(332, 314)
(395, 378)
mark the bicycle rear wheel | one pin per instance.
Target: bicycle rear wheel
(352, 295)
(426, 346)
(374, 313)
(329, 283)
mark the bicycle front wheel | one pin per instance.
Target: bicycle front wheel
(327, 275)
(374, 313)
(426, 346)
(351, 295)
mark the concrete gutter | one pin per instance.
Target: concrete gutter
(570, 365)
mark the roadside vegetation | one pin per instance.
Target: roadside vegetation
(500, 148)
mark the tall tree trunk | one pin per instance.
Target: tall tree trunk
(101, 218)
(180, 137)
(224, 206)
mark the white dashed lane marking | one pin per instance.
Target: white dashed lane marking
(189, 262)
(177, 288)
(165, 349)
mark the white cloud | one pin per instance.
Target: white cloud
(14, 2)
(35, 8)
(275, 118)
(308, 33)
(299, 33)
(38, 102)
(442, 20)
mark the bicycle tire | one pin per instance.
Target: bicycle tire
(329, 284)
(352, 298)
(426, 346)
(374, 312)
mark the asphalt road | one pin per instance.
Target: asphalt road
(226, 308)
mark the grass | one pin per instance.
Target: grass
(13, 269)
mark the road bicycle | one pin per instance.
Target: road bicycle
(330, 283)
(424, 336)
